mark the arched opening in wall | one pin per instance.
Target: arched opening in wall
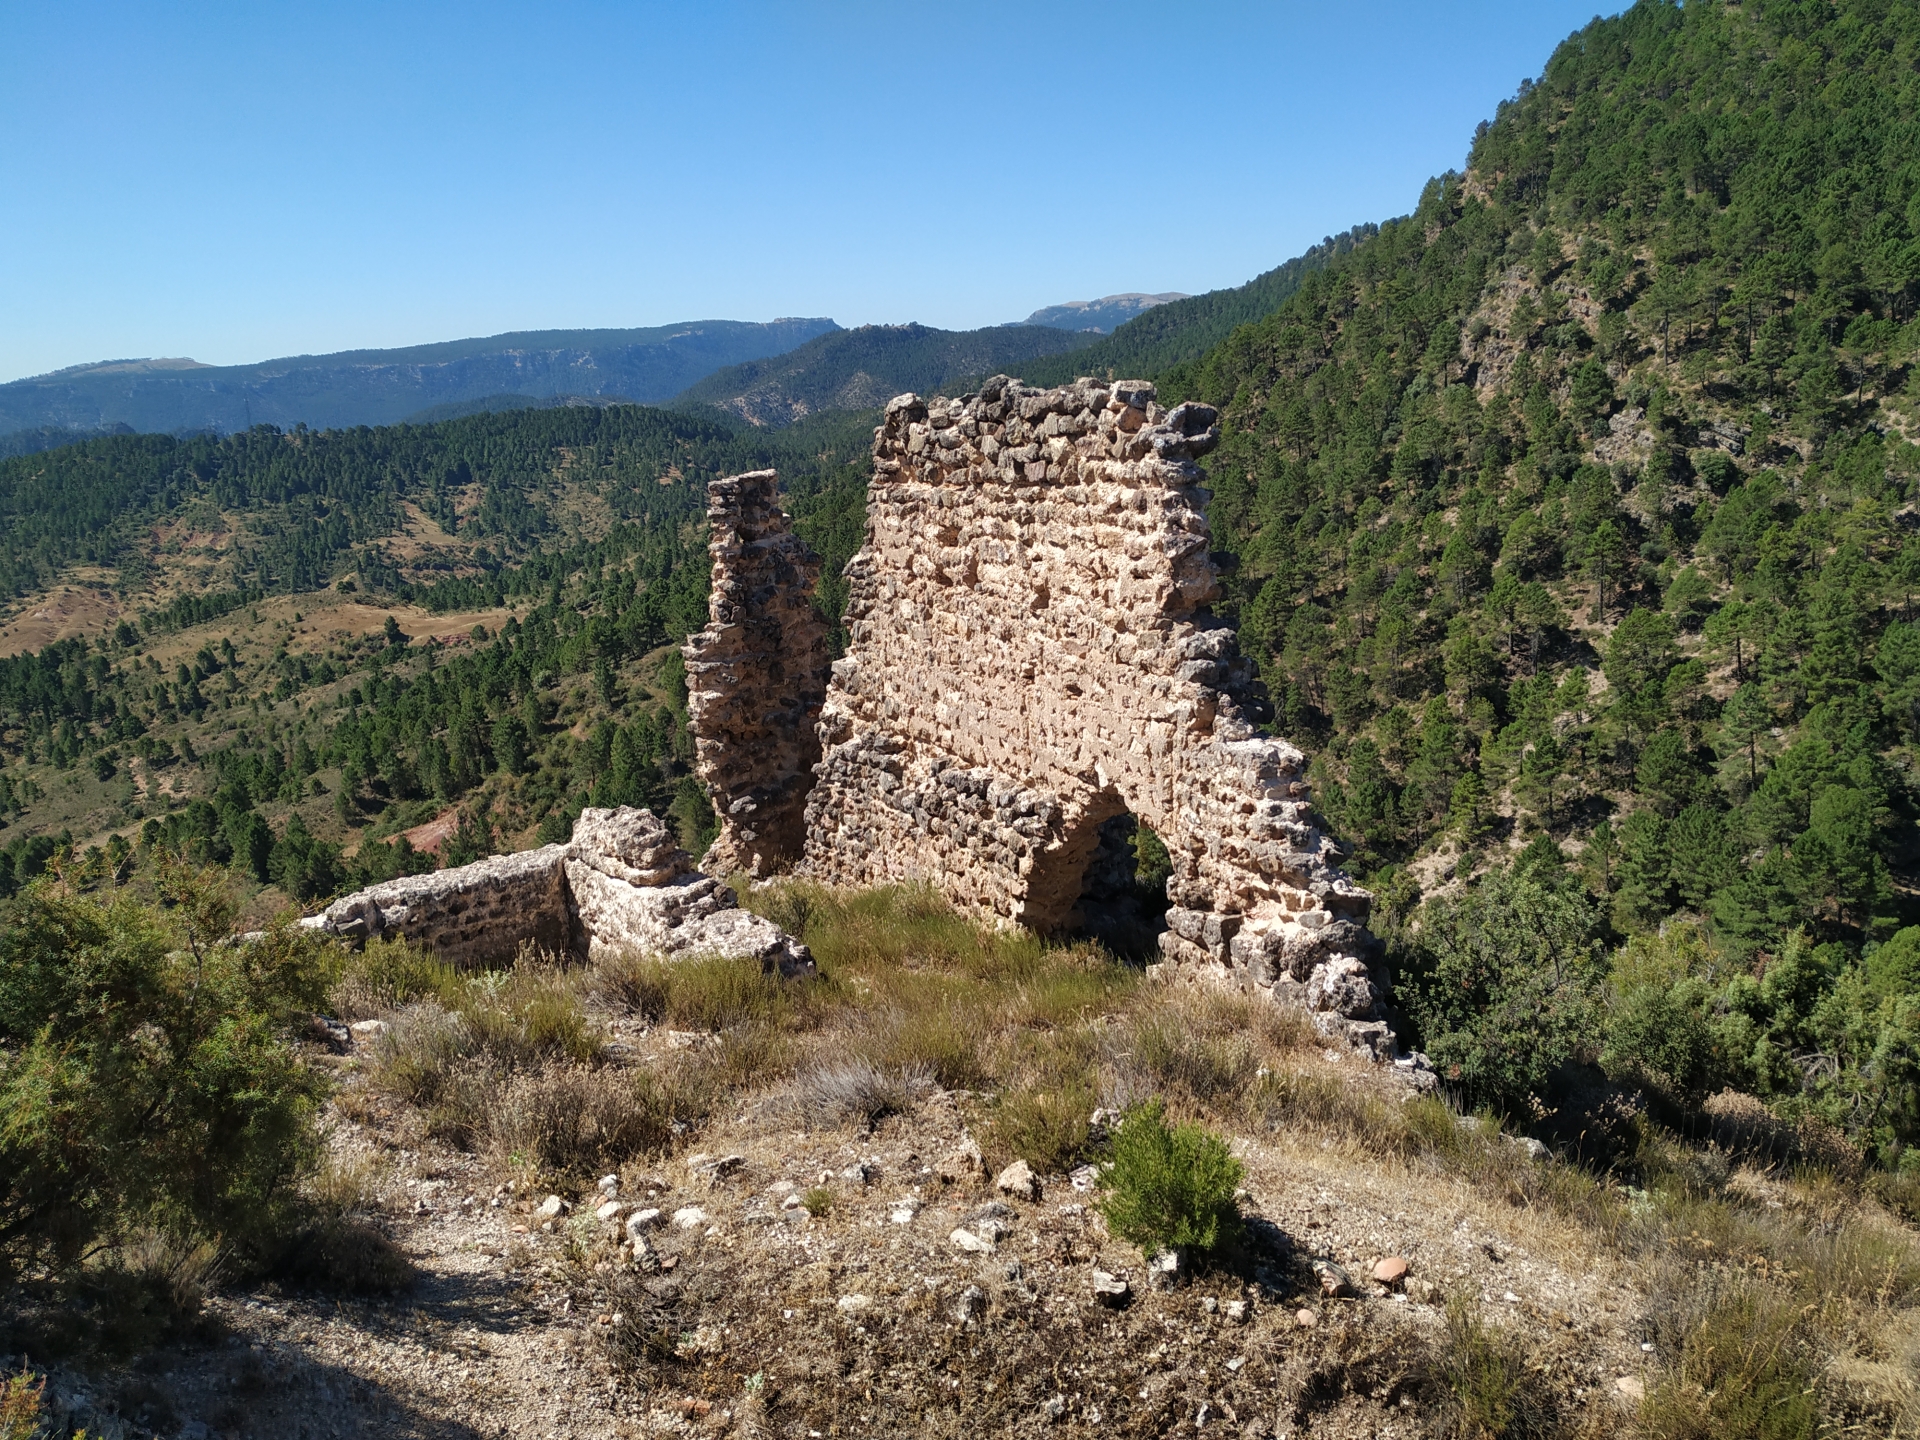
(1123, 894)
(1106, 878)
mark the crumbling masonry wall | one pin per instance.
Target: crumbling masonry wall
(756, 677)
(621, 885)
(1031, 656)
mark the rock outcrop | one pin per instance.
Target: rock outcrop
(622, 884)
(756, 677)
(1032, 656)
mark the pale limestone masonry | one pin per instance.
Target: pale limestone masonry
(623, 884)
(1032, 656)
(755, 678)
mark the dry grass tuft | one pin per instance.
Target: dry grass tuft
(1487, 1374)
(1744, 1364)
(638, 984)
(343, 1245)
(389, 975)
(571, 1122)
(854, 1092)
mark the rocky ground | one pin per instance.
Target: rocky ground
(806, 1284)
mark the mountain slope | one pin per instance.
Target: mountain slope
(377, 387)
(863, 368)
(1179, 331)
(1574, 513)
(1104, 315)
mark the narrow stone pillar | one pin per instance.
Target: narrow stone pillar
(756, 677)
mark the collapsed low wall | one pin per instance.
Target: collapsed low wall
(622, 884)
(1032, 656)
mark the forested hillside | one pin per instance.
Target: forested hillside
(294, 510)
(1183, 330)
(251, 706)
(1575, 510)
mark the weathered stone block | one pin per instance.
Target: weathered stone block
(474, 915)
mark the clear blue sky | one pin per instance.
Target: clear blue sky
(234, 182)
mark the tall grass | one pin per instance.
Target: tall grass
(1742, 1360)
(390, 974)
(1486, 1373)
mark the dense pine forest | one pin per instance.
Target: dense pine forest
(1571, 519)
(1575, 525)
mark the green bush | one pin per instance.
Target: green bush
(146, 1076)
(1170, 1187)
(20, 1413)
(1505, 982)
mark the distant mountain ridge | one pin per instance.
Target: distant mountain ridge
(863, 368)
(1159, 339)
(1105, 315)
(379, 387)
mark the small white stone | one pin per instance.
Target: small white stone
(689, 1217)
(641, 1221)
(608, 1211)
(965, 1239)
(852, 1304)
(1018, 1181)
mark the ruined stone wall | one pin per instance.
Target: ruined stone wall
(1032, 655)
(756, 677)
(470, 915)
(623, 884)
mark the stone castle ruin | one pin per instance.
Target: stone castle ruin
(1033, 672)
(1033, 669)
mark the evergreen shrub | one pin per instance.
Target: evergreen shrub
(1170, 1187)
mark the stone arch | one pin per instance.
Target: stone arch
(1056, 882)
